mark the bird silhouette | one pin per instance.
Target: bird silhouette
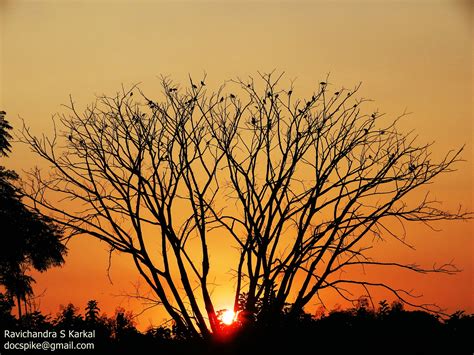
(411, 167)
(290, 92)
(131, 94)
(372, 115)
(366, 131)
(254, 121)
(203, 83)
(232, 96)
(322, 83)
(68, 137)
(336, 93)
(222, 99)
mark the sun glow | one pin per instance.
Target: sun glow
(228, 317)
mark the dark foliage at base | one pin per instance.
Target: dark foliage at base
(360, 330)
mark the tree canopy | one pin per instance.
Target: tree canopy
(300, 186)
(28, 238)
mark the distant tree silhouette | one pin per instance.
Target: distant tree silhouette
(36, 320)
(6, 305)
(123, 325)
(69, 317)
(301, 186)
(18, 285)
(92, 311)
(28, 238)
(384, 308)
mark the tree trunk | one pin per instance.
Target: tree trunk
(18, 297)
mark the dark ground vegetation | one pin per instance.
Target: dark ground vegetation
(389, 329)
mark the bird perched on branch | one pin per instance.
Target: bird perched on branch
(203, 83)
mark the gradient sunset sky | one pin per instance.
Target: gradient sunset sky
(410, 55)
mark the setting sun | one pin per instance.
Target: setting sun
(228, 317)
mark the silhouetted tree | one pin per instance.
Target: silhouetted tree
(384, 309)
(37, 321)
(6, 305)
(5, 146)
(302, 186)
(123, 325)
(28, 238)
(92, 311)
(18, 286)
(69, 317)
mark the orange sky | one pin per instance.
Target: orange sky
(414, 55)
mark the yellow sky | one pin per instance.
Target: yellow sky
(413, 55)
